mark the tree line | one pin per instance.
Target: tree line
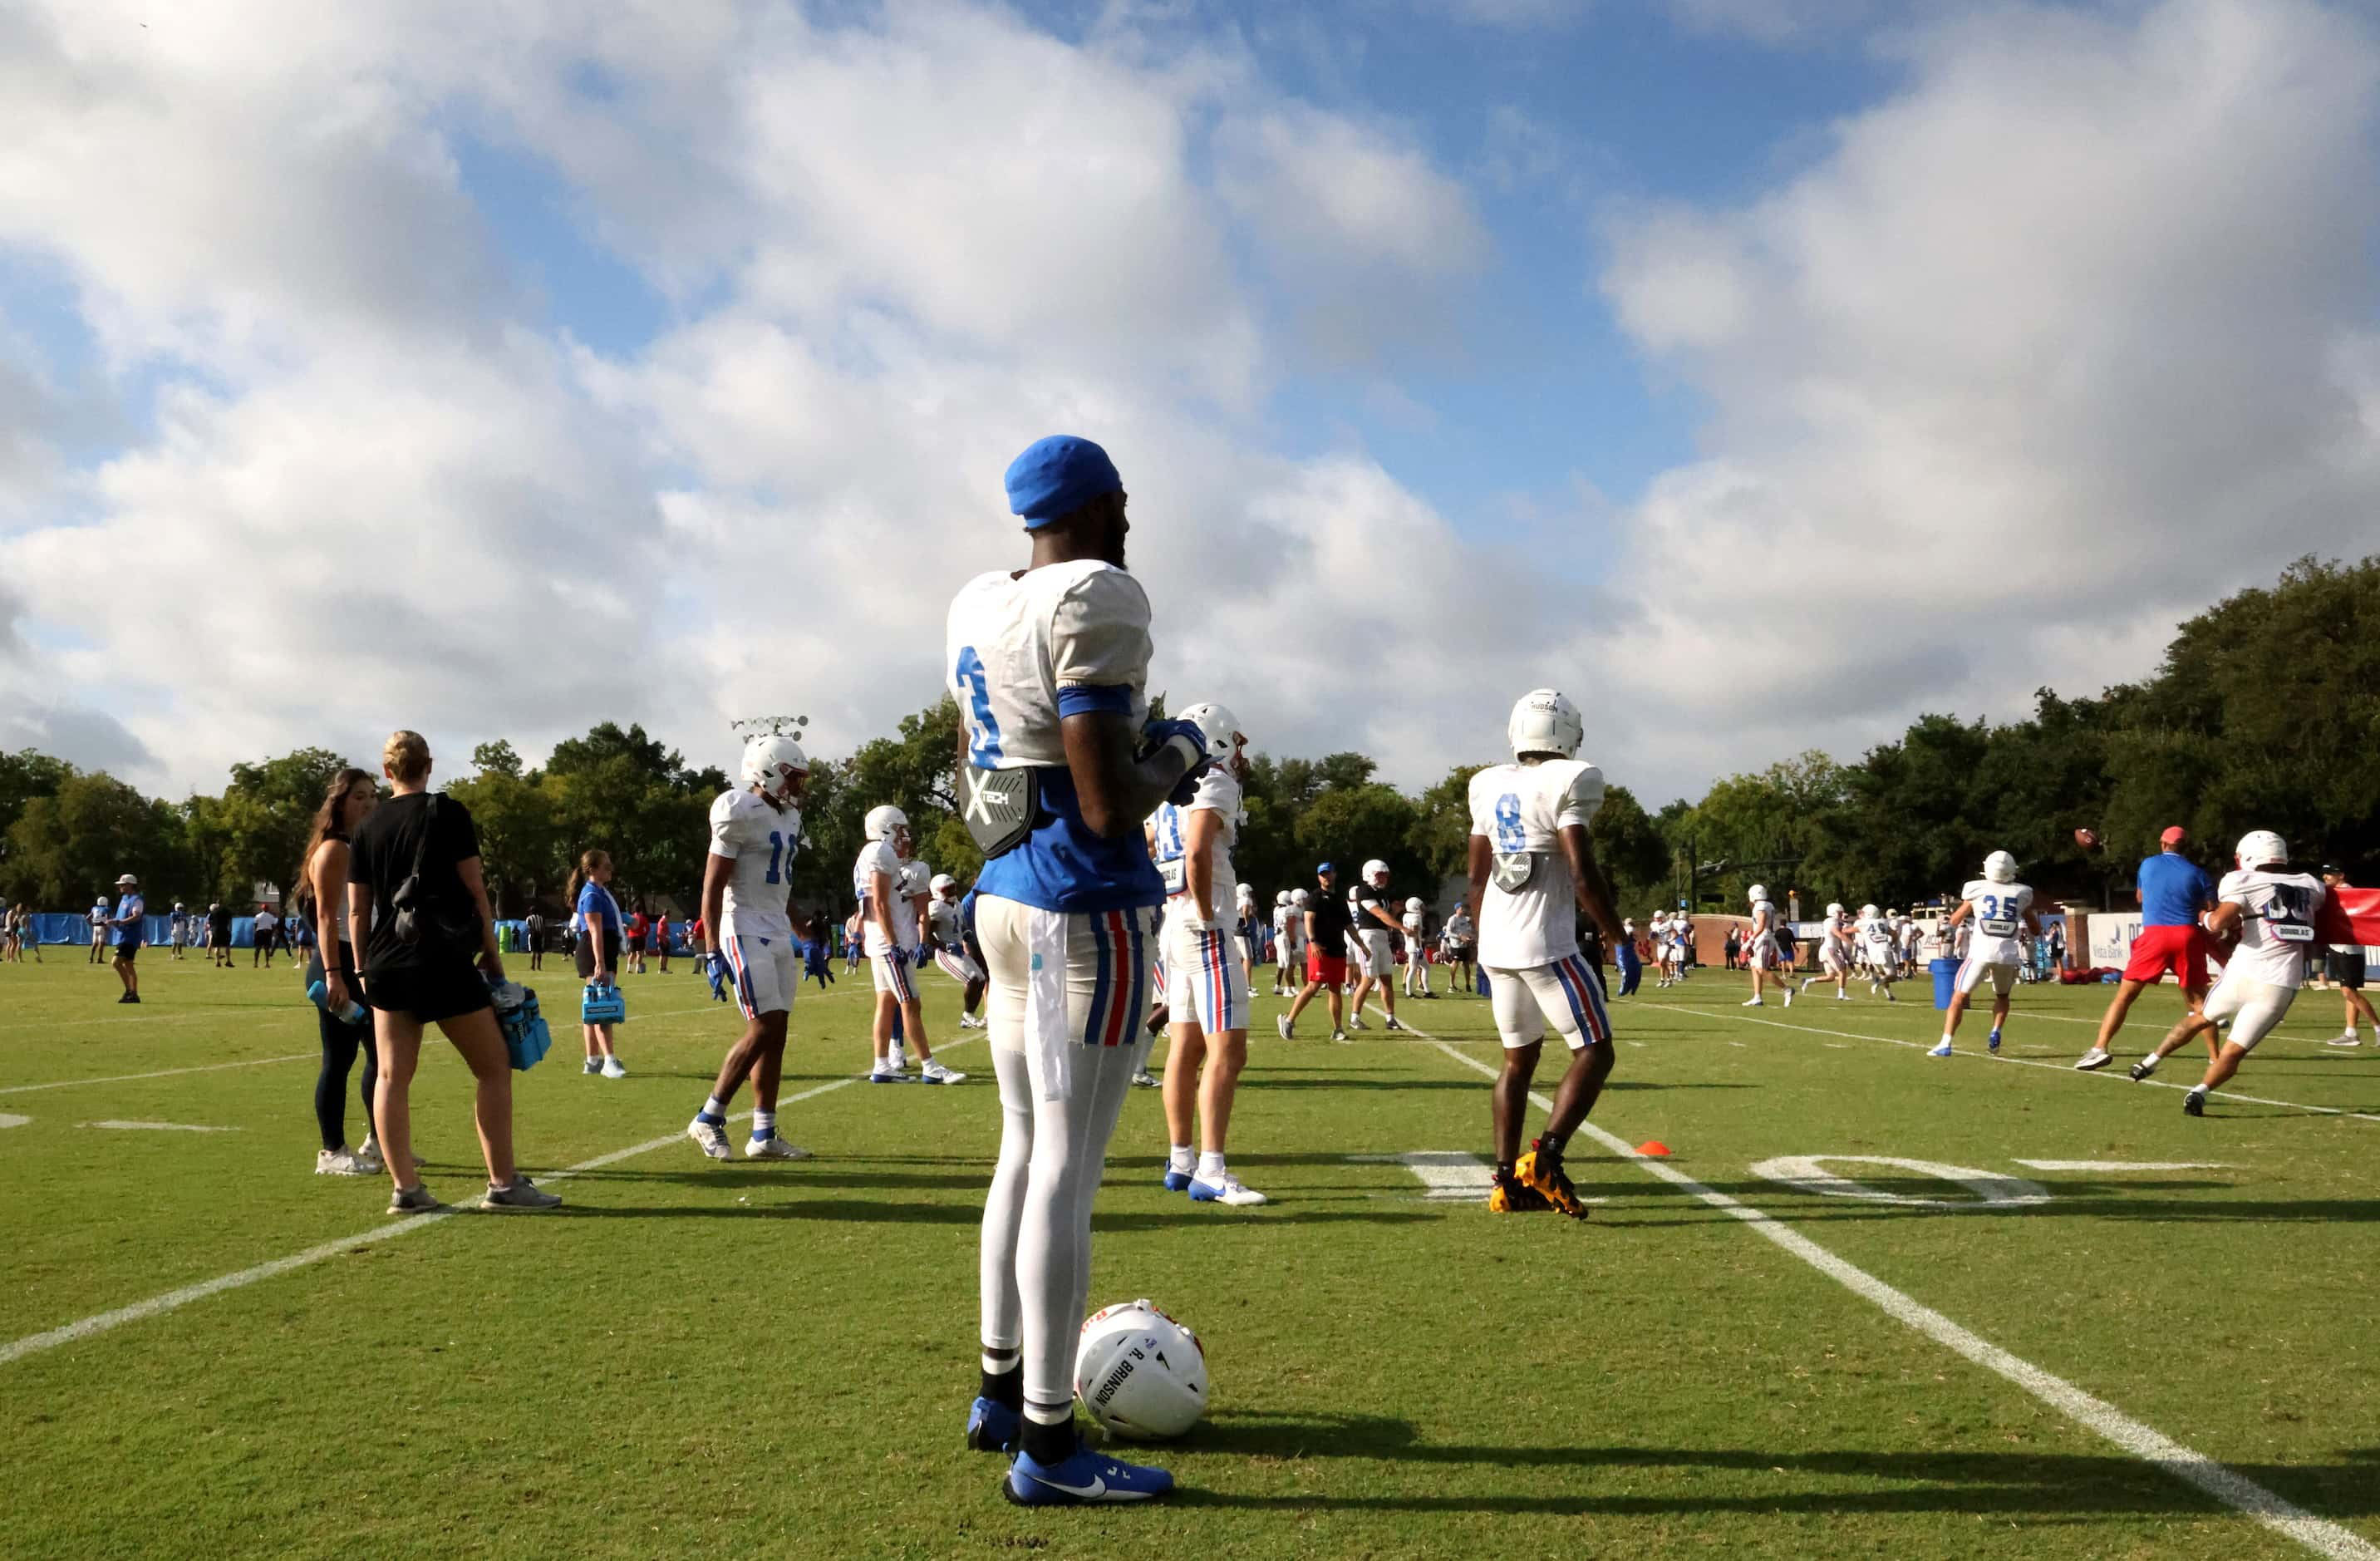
(2265, 714)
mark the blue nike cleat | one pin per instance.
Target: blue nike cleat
(1995, 1041)
(1176, 1181)
(1085, 1477)
(992, 1428)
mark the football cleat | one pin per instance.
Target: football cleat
(2194, 1104)
(1390, 1023)
(1512, 1196)
(1941, 1051)
(1281, 1022)
(2093, 1060)
(935, 1073)
(1341, 1036)
(885, 1073)
(992, 1428)
(1993, 1040)
(1747, 1003)
(774, 1147)
(2146, 1066)
(711, 1140)
(1176, 1181)
(1143, 1080)
(1084, 1477)
(1549, 1181)
(1356, 1021)
(1230, 1192)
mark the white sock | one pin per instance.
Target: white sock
(1211, 1166)
(715, 1107)
(1181, 1159)
(764, 1123)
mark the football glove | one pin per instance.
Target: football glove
(714, 970)
(1192, 743)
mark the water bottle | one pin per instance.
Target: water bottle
(321, 995)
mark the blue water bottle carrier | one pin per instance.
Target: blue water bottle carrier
(602, 1004)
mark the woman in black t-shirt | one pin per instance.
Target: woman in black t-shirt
(430, 979)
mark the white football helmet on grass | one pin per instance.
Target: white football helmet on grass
(1140, 1374)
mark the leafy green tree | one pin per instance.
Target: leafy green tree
(24, 775)
(256, 831)
(67, 847)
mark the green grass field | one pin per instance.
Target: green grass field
(693, 1357)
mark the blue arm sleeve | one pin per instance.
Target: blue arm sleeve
(1083, 699)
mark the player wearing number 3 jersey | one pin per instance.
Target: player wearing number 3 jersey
(1533, 870)
(1058, 765)
(748, 935)
(2272, 911)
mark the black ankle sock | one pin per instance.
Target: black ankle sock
(1549, 1146)
(1006, 1388)
(1048, 1442)
(1503, 1170)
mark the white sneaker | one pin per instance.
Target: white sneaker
(885, 1073)
(1841, 997)
(1341, 1036)
(2348, 1040)
(2093, 1060)
(713, 1140)
(612, 1068)
(935, 1073)
(1753, 1003)
(1809, 982)
(1889, 996)
(774, 1147)
(1356, 1021)
(1230, 1192)
(1941, 1051)
(1143, 1080)
(594, 1064)
(1788, 997)
(341, 1162)
(969, 1021)
(370, 1150)
(1281, 1022)
(894, 1063)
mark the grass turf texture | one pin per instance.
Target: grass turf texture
(777, 1358)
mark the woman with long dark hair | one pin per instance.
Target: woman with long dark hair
(417, 906)
(599, 950)
(322, 901)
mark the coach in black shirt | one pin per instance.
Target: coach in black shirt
(1328, 922)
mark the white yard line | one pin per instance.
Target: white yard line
(161, 1073)
(2125, 1165)
(2143, 1442)
(160, 1127)
(155, 1306)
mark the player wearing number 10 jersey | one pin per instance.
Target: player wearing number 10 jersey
(2273, 912)
(748, 933)
(1533, 870)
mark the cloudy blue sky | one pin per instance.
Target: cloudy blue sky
(1761, 371)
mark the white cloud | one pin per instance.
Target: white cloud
(2058, 344)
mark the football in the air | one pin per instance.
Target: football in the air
(2086, 839)
(1140, 1374)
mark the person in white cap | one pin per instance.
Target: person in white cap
(129, 927)
(2271, 913)
(1761, 951)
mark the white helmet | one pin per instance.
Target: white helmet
(1868, 911)
(943, 881)
(1834, 908)
(1414, 904)
(772, 760)
(1760, 893)
(1220, 726)
(1544, 721)
(1298, 896)
(1139, 1373)
(883, 819)
(1248, 893)
(1280, 897)
(1999, 868)
(1375, 867)
(2260, 845)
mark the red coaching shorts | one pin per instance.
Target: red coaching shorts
(1329, 969)
(2181, 950)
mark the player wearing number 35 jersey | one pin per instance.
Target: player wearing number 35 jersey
(1997, 913)
(2272, 911)
(1058, 766)
(748, 934)
(1533, 870)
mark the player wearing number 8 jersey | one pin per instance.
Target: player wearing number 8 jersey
(1533, 870)
(2272, 911)
(1996, 911)
(1058, 766)
(749, 937)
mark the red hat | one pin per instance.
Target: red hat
(2172, 836)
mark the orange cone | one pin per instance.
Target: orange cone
(1653, 1147)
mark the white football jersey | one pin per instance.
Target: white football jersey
(1413, 924)
(2276, 912)
(1838, 927)
(943, 919)
(760, 841)
(874, 858)
(917, 878)
(1997, 916)
(1016, 640)
(1876, 932)
(1288, 925)
(1521, 810)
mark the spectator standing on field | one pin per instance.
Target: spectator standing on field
(533, 928)
(322, 900)
(420, 971)
(219, 933)
(2344, 965)
(599, 925)
(267, 928)
(2173, 892)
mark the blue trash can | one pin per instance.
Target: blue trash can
(1945, 981)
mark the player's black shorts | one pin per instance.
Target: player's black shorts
(124, 951)
(2344, 967)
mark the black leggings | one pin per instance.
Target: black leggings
(340, 1044)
